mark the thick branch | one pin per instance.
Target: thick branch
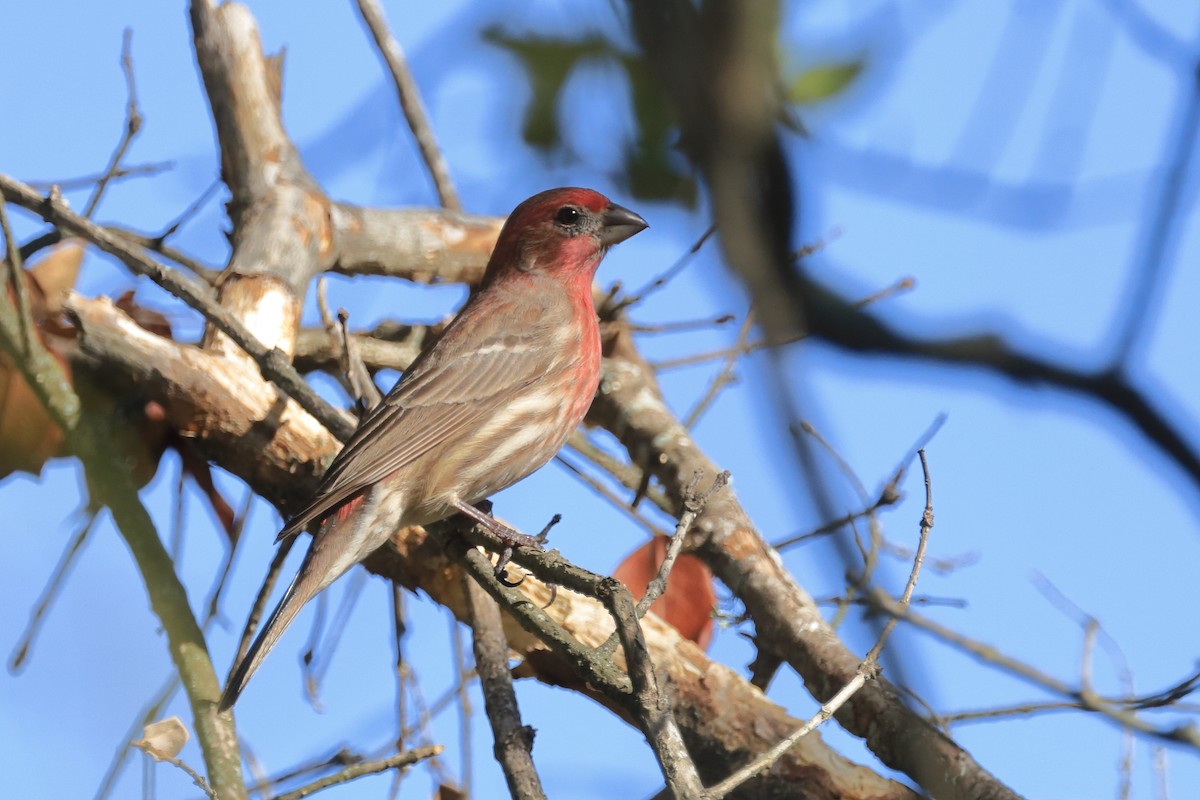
(422, 245)
(253, 354)
(513, 741)
(232, 416)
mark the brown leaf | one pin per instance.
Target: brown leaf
(147, 318)
(28, 437)
(201, 473)
(52, 277)
(687, 604)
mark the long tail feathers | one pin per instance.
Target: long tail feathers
(303, 588)
(342, 542)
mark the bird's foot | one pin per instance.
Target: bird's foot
(508, 536)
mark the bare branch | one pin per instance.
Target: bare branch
(866, 671)
(786, 618)
(410, 102)
(398, 762)
(1182, 734)
(21, 651)
(196, 777)
(133, 124)
(513, 740)
(273, 362)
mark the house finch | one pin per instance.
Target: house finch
(493, 400)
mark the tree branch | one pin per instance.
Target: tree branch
(513, 740)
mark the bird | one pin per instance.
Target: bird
(493, 400)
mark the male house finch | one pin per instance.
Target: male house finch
(493, 400)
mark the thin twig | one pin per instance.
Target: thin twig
(1162, 228)
(174, 225)
(885, 499)
(366, 393)
(431, 711)
(149, 712)
(724, 376)
(465, 711)
(808, 429)
(235, 539)
(679, 326)
(925, 527)
(155, 243)
(900, 286)
(177, 515)
(57, 578)
(353, 372)
(326, 638)
(886, 293)
(398, 761)
(133, 124)
(265, 784)
(769, 757)
(1162, 789)
(410, 102)
(627, 474)
(817, 245)
(1188, 734)
(721, 352)
(670, 273)
(608, 494)
(399, 628)
(866, 671)
(79, 182)
(693, 505)
(196, 777)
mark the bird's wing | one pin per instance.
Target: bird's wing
(439, 396)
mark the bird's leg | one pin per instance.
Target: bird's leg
(509, 537)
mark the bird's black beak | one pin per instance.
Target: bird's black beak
(618, 224)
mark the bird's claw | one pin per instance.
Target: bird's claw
(501, 571)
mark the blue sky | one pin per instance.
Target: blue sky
(1030, 222)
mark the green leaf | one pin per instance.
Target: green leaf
(548, 63)
(653, 167)
(823, 81)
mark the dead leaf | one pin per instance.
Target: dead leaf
(164, 738)
(53, 276)
(688, 603)
(28, 437)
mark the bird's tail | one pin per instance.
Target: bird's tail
(344, 538)
(307, 583)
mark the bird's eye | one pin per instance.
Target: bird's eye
(567, 216)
